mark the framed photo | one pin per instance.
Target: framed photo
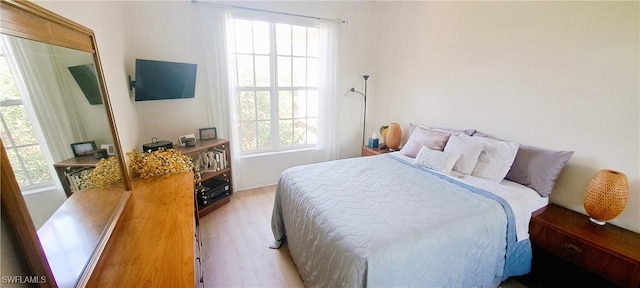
(208, 133)
(182, 140)
(83, 148)
(111, 150)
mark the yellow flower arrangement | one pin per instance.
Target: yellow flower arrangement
(159, 162)
(107, 172)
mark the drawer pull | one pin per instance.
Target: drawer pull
(572, 249)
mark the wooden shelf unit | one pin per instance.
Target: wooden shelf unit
(225, 173)
(70, 165)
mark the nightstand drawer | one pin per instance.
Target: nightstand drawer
(616, 269)
(366, 151)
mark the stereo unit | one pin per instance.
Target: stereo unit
(211, 190)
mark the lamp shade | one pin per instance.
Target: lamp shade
(393, 139)
(606, 196)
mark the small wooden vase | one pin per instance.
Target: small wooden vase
(393, 139)
(606, 196)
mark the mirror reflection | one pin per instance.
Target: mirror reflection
(55, 129)
(50, 100)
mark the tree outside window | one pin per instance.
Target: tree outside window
(276, 85)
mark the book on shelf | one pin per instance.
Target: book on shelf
(213, 160)
(222, 153)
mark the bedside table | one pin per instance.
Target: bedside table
(608, 251)
(366, 151)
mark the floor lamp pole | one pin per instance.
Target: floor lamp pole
(364, 118)
(364, 96)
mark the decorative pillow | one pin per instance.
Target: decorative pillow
(436, 160)
(538, 168)
(421, 136)
(469, 153)
(413, 127)
(496, 158)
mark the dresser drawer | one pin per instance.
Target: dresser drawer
(616, 269)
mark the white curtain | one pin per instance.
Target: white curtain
(215, 35)
(220, 106)
(327, 148)
(39, 84)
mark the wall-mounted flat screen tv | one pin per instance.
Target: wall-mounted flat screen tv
(85, 76)
(161, 80)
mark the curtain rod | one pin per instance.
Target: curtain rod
(282, 13)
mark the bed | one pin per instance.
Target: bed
(391, 221)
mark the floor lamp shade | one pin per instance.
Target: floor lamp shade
(393, 139)
(606, 196)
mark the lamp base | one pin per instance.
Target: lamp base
(597, 221)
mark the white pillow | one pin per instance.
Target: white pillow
(469, 152)
(496, 158)
(436, 160)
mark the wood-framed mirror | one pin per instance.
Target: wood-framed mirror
(60, 251)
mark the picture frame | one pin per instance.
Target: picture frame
(208, 133)
(182, 140)
(83, 148)
(111, 149)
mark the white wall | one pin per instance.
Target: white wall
(153, 37)
(108, 20)
(168, 31)
(92, 117)
(42, 205)
(559, 75)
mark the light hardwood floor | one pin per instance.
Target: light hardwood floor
(236, 239)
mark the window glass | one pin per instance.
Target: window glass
(261, 37)
(276, 107)
(284, 71)
(283, 39)
(18, 135)
(299, 72)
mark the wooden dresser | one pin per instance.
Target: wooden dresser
(153, 243)
(608, 251)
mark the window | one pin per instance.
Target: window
(18, 136)
(275, 69)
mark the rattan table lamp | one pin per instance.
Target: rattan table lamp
(606, 196)
(393, 139)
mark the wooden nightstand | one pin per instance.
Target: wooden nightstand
(608, 251)
(366, 151)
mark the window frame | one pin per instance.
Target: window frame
(12, 147)
(274, 89)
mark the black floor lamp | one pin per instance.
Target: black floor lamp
(364, 96)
